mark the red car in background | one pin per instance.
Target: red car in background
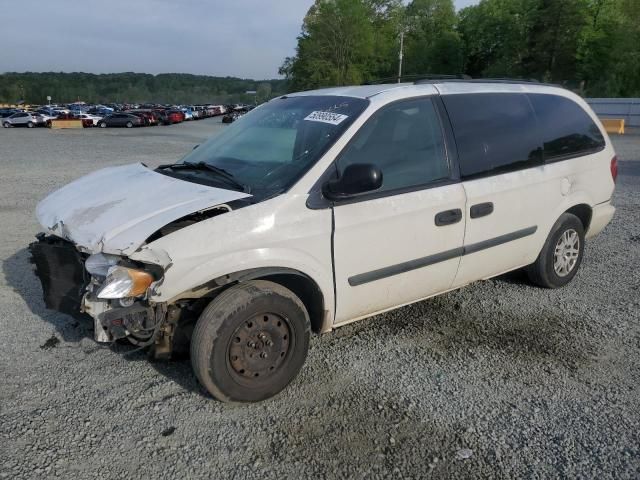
(175, 116)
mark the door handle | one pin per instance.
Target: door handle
(481, 210)
(448, 217)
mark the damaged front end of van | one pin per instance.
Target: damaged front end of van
(95, 258)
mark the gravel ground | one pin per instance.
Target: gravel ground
(498, 380)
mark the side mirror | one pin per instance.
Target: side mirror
(356, 179)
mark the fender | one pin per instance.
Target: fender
(196, 278)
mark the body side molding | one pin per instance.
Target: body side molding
(404, 267)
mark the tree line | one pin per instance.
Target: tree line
(591, 46)
(177, 88)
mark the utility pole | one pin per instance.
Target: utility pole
(401, 55)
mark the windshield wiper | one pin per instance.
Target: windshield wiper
(221, 172)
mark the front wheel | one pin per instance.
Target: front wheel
(561, 254)
(129, 124)
(6, 124)
(250, 342)
(102, 125)
(30, 125)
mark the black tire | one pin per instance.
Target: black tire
(30, 125)
(102, 124)
(129, 125)
(237, 328)
(6, 125)
(542, 272)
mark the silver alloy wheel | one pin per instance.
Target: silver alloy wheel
(565, 256)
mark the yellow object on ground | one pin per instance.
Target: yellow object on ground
(66, 124)
(613, 125)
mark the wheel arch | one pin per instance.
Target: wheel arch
(301, 284)
(584, 212)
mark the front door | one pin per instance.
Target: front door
(402, 242)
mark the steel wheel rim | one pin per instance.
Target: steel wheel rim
(566, 253)
(259, 347)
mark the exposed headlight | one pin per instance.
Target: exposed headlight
(100, 263)
(124, 282)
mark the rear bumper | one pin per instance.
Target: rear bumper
(600, 217)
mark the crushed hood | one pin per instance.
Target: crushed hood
(116, 209)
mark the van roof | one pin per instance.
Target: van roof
(443, 86)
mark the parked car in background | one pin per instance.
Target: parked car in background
(148, 116)
(162, 116)
(188, 114)
(7, 112)
(48, 111)
(24, 119)
(235, 114)
(47, 116)
(94, 119)
(175, 116)
(231, 117)
(127, 120)
(100, 110)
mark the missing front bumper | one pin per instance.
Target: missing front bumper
(60, 268)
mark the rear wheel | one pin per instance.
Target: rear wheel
(561, 254)
(250, 342)
(102, 125)
(129, 124)
(30, 124)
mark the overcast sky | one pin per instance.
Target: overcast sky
(243, 38)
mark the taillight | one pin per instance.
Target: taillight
(614, 167)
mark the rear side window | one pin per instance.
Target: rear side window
(495, 133)
(405, 141)
(566, 129)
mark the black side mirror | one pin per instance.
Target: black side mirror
(356, 179)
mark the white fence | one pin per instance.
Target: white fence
(627, 108)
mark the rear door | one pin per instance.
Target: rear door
(403, 242)
(509, 196)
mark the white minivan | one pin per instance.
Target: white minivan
(325, 207)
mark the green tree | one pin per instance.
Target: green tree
(554, 38)
(130, 87)
(344, 42)
(495, 37)
(432, 43)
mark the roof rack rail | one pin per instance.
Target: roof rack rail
(417, 78)
(532, 81)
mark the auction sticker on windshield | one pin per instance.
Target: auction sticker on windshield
(326, 117)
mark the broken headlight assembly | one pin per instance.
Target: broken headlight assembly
(124, 282)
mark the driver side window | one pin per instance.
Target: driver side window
(404, 140)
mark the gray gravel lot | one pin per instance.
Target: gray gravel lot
(498, 380)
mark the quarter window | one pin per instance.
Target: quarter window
(405, 141)
(495, 133)
(565, 127)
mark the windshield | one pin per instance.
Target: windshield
(271, 147)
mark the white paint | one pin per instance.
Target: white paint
(114, 210)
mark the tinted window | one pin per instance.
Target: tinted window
(566, 129)
(405, 141)
(495, 132)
